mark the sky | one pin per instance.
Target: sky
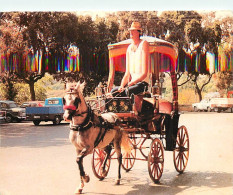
(114, 5)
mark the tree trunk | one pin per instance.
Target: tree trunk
(198, 90)
(32, 90)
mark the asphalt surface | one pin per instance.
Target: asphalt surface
(39, 160)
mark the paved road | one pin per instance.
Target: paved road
(39, 160)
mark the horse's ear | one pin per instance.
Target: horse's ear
(77, 85)
(82, 85)
(67, 86)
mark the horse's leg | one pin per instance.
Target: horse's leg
(83, 176)
(108, 150)
(117, 148)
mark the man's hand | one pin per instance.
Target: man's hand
(121, 88)
(130, 84)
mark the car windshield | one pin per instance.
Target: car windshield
(53, 102)
(13, 105)
(24, 105)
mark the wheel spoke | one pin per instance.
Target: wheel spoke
(98, 163)
(153, 169)
(185, 141)
(99, 171)
(185, 156)
(178, 161)
(183, 161)
(181, 153)
(157, 171)
(178, 141)
(160, 171)
(177, 156)
(97, 152)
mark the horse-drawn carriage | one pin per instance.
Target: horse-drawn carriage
(146, 116)
(128, 123)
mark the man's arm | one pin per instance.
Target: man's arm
(126, 77)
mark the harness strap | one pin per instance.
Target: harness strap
(85, 125)
(102, 125)
(81, 127)
(88, 124)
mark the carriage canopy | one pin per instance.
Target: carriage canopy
(163, 57)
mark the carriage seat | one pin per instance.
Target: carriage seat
(164, 106)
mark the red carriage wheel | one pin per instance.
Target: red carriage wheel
(97, 163)
(128, 157)
(156, 160)
(135, 139)
(181, 151)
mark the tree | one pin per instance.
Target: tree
(49, 34)
(9, 90)
(193, 40)
(11, 44)
(223, 82)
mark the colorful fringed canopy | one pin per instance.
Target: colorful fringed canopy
(163, 57)
(39, 62)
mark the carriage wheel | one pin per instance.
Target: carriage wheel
(143, 148)
(156, 160)
(181, 152)
(97, 163)
(128, 157)
(134, 139)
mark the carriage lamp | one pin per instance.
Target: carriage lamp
(100, 90)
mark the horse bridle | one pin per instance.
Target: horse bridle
(72, 108)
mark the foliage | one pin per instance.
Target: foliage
(55, 32)
(92, 79)
(23, 94)
(8, 89)
(187, 97)
(223, 82)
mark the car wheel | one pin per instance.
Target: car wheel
(19, 120)
(195, 109)
(9, 119)
(36, 123)
(57, 120)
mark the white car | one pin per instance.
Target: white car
(203, 105)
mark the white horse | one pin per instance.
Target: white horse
(89, 130)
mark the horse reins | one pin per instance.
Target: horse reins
(110, 98)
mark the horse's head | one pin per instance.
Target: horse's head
(72, 100)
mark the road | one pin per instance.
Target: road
(39, 160)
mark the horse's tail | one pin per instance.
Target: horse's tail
(125, 143)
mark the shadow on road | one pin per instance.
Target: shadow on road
(187, 181)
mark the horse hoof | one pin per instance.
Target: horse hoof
(86, 178)
(79, 191)
(118, 182)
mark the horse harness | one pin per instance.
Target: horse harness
(89, 122)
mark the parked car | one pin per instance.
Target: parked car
(2, 116)
(222, 104)
(13, 111)
(51, 111)
(32, 104)
(203, 105)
